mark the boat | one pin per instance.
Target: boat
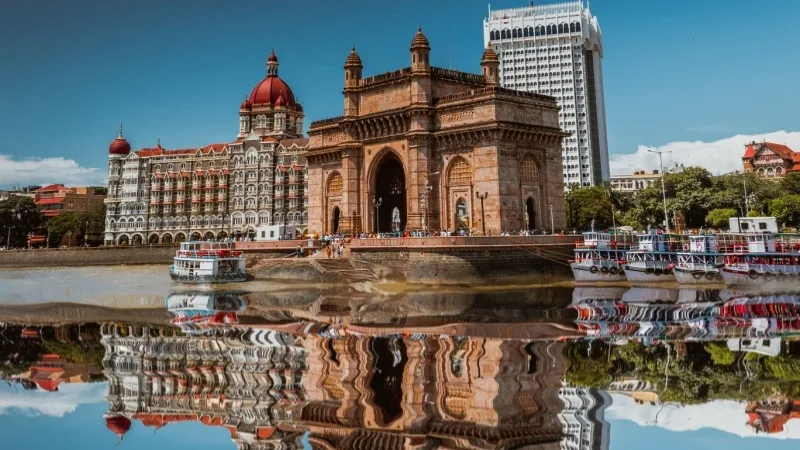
(765, 261)
(198, 312)
(701, 260)
(654, 259)
(207, 262)
(598, 258)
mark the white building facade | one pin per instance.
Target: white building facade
(158, 195)
(557, 50)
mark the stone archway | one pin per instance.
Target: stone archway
(530, 215)
(195, 236)
(137, 239)
(335, 220)
(180, 237)
(166, 238)
(209, 236)
(153, 239)
(123, 240)
(390, 189)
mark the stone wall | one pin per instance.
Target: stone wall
(87, 256)
(469, 264)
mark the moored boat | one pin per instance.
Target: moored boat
(765, 262)
(654, 259)
(598, 258)
(701, 261)
(207, 262)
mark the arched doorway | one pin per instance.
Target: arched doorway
(209, 236)
(137, 239)
(335, 220)
(153, 239)
(222, 235)
(195, 236)
(180, 237)
(390, 190)
(462, 214)
(530, 215)
(166, 239)
(123, 240)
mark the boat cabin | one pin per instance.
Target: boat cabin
(703, 243)
(653, 241)
(596, 239)
(760, 242)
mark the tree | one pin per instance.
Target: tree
(99, 190)
(586, 204)
(19, 216)
(62, 224)
(718, 218)
(786, 209)
(790, 183)
(720, 354)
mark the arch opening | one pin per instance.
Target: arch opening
(166, 239)
(335, 220)
(530, 214)
(137, 239)
(390, 189)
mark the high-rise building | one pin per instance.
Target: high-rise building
(557, 50)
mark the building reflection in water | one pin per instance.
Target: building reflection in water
(431, 372)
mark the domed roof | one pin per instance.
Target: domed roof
(269, 90)
(280, 101)
(272, 87)
(118, 424)
(353, 60)
(245, 104)
(119, 146)
(489, 55)
(420, 41)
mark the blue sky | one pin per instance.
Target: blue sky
(178, 70)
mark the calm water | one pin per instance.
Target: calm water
(143, 364)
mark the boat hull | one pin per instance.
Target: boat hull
(752, 277)
(208, 279)
(636, 274)
(583, 273)
(696, 277)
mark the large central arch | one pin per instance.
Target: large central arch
(390, 187)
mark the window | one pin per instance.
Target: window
(460, 173)
(335, 184)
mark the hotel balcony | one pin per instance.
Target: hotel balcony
(180, 187)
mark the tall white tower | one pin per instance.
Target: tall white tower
(557, 50)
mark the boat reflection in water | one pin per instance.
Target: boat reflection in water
(549, 370)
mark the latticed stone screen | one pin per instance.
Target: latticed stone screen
(460, 173)
(529, 170)
(335, 184)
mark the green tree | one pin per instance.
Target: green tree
(786, 209)
(718, 218)
(790, 183)
(586, 204)
(19, 216)
(99, 190)
(60, 225)
(720, 354)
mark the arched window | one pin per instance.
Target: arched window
(506, 34)
(335, 184)
(528, 31)
(560, 28)
(251, 157)
(577, 26)
(551, 29)
(528, 170)
(539, 30)
(572, 27)
(778, 172)
(761, 172)
(460, 173)
(770, 172)
(493, 35)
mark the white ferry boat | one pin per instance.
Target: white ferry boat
(700, 261)
(598, 258)
(765, 261)
(196, 312)
(653, 260)
(207, 262)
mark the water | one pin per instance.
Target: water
(269, 367)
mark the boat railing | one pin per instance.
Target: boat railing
(612, 245)
(209, 254)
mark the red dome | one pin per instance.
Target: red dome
(268, 91)
(245, 104)
(272, 57)
(119, 146)
(118, 424)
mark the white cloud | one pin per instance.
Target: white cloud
(55, 404)
(722, 156)
(43, 171)
(722, 415)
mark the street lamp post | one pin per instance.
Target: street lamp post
(69, 238)
(552, 221)
(746, 198)
(377, 202)
(8, 237)
(483, 212)
(663, 186)
(86, 235)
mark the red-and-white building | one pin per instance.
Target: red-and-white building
(770, 160)
(159, 195)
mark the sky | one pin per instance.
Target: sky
(697, 77)
(74, 416)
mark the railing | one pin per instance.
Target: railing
(464, 241)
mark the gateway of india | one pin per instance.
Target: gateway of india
(431, 148)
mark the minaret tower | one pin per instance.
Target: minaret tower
(420, 68)
(352, 78)
(490, 65)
